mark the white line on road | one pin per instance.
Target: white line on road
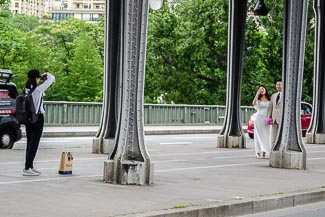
(156, 171)
(199, 153)
(238, 156)
(84, 159)
(162, 155)
(167, 161)
(9, 171)
(175, 143)
(48, 161)
(48, 179)
(208, 167)
(195, 137)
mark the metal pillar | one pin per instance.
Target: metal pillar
(289, 151)
(129, 163)
(316, 132)
(231, 135)
(104, 141)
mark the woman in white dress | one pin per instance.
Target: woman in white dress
(262, 127)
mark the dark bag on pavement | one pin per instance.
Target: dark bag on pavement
(25, 110)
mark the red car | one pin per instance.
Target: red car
(305, 113)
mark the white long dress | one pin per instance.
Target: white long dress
(262, 131)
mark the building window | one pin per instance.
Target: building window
(86, 17)
(87, 6)
(17, 4)
(95, 17)
(61, 16)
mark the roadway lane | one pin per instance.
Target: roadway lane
(84, 142)
(169, 153)
(189, 170)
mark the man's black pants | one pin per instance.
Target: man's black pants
(33, 134)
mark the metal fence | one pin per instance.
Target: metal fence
(82, 113)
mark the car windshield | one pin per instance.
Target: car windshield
(305, 109)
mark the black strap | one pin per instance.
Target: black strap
(40, 104)
(277, 98)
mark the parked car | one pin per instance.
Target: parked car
(305, 115)
(9, 127)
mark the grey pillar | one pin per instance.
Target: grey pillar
(104, 141)
(316, 132)
(231, 135)
(129, 163)
(289, 151)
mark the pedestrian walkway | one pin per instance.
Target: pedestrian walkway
(66, 131)
(190, 179)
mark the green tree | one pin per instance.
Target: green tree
(12, 40)
(85, 79)
(187, 52)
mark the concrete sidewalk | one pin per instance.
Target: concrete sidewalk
(67, 131)
(190, 179)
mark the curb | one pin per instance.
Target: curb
(241, 207)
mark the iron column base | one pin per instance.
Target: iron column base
(96, 145)
(231, 141)
(317, 138)
(128, 173)
(288, 160)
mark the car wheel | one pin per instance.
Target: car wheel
(7, 139)
(251, 135)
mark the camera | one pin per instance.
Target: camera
(44, 77)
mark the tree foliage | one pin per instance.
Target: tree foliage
(186, 52)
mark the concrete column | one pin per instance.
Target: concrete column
(129, 163)
(289, 151)
(231, 135)
(316, 131)
(104, 141)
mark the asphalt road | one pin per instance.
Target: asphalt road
(86, 142)
(188, 170)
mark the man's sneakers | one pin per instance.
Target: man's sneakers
(31, 172)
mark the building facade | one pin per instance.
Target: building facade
(88, 10)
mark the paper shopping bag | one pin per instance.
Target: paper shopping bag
(66, 163)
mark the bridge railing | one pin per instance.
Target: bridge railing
(85, 113)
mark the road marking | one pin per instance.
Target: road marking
(315, 152)
(167, 161)
(9, 171)
(84, 159)
(48, 161)
(161, 155)
(238, 156)
(48, 179)
(198, 153)
(208, 167)
(175, 143)
(321, 158)
(156, 171)
(194, 137)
